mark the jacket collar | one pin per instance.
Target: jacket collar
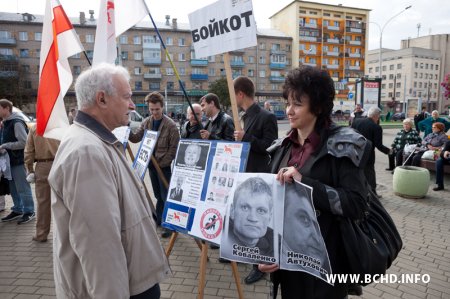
(95, 127)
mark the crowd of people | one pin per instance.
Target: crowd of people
(105, 237)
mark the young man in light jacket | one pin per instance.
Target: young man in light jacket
(105, 241)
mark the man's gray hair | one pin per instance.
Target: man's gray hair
(95, 79)
(373, 111)
(194, 105)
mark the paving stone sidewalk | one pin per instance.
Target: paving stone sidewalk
(26, 266)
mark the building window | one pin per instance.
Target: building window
(416, 65)
(397, 94)
(274, 86)
(137, 40)
(182, 71)
(169, 41)
(251, 73)
(391, 76)
(437, 67)
(153, 86)
(212, 72)
(399, 76)
(420, 75)
(90, 54)
(262, 59)
(415, 84)
(76, 69)
(170, 85)
(38, 36)
(137, 55)
(390, 94)
(123, 39)
(383, 86)
(138, 85)
(391, 85)
(90, 38)
(377, 69)
(276, 47)
(399, 84)
(370, 70)
(212, 58)
(261, 86)
(426, 66)
(262, 74)
(415, 75)
(262, 46)
(38, 53)
(78, 55)
(24, 53)
(384, 68)
(169, 71)
(124, 55)
(137, 70)
(391, 67)
(181, 57)
(167, 56)
(181, 42)
(251, 59)
(23, 35)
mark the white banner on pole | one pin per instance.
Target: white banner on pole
(223, 26)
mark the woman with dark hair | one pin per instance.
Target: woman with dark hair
(329, 158)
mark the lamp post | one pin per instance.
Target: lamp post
(381, 35)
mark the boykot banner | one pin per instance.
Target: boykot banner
(223, 26)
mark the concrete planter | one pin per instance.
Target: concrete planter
(411, 181)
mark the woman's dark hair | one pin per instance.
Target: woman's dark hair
(318, 86)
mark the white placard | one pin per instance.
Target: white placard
(223, 26)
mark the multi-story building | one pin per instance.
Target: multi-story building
(142, 53)
(410, 77)
(441, 43)
(331, 37)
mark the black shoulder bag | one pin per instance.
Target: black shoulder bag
(371, 243)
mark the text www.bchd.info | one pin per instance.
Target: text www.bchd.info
(378, 278)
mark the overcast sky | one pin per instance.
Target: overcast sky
(433, 15)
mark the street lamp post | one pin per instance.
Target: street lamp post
(381, 35)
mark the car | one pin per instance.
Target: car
(135, 120)
(280, 114)
(400, 116)
(28, 120)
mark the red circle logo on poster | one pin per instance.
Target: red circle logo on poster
(211, 223)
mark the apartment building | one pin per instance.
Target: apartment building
(331, 37)
(437, 42)
(410, 76)
(142, 54)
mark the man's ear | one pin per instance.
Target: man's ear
(100, 99)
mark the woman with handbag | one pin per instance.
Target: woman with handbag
(318, 153)
(406, 136)
(433, 141)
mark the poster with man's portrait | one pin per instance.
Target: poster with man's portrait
(250, 234)
(192, 155)
(302, 245)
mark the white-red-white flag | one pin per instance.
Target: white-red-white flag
(59, 42)
(128, 13)
(105, 48)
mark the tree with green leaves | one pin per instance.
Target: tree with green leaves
(220, 88)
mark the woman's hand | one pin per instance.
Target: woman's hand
(268, 268)
(288, 174)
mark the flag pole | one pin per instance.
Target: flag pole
(87, 58)
(173, 66)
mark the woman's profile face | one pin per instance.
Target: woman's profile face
(298, 112)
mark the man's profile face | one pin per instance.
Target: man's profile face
(191, 155)
(198, 113)
(156, 110)
(119, 104)
(207, 108)
(251, 215)
(297, 214)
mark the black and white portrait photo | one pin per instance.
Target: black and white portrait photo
(192, 155)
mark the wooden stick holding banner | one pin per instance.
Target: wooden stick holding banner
(234, 109)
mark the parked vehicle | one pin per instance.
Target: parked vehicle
(400, 116)
(135, 120)
(28, 120)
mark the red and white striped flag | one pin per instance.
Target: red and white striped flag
(105, 48)
(59, 42)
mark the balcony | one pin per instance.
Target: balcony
(332, 66)
(152, 61)
(199, 62)
(355, 42)
(151, 46)
(199, 77)
(196, 92)
(152, 76)
(277, 65)
(237, 63)
(333, 28)
(354, 55)
(277, 52)
(10, 41)
(331, 53)
(354, 30)
(310, 25)
(9, 74)
(308, 38)
(310, 64)
(353, 67)
(9, 58)
(276, 79)
(238, 52)
(333, 40)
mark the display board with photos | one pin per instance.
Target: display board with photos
(145, 152)
(203, 175)
(122, 134)
(270, 223)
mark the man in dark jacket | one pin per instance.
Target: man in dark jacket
(369, 128)
(220, 125)
(260, 130)
(13, 139)
(191, 128)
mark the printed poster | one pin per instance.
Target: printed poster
(145, 152)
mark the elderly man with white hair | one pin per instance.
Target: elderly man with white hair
(426, 125)
(105, 242)
(191, 128)
(369, 127)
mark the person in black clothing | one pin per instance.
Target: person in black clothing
(419, 117)
(369, 128)
(260, 129)
(191, 128)
(443, 160)
(220, 125)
